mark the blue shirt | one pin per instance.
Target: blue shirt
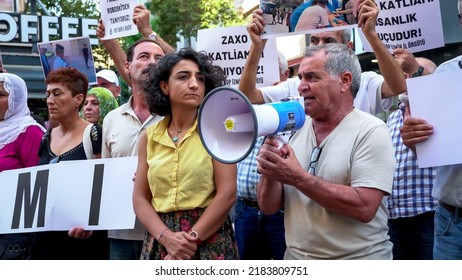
(247, 175)
(59, 62)
(412, 186)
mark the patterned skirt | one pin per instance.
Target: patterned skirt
(219, 246)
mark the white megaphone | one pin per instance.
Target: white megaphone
(229, 124)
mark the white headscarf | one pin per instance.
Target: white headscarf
(17, 118)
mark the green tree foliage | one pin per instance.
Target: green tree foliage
(72, 8)
(80, 9)
(185, 18)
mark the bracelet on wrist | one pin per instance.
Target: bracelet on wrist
(162, 234)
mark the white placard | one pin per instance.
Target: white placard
(229, 48)
(117, 16)
(92, 194)
(436, 98)
(408, 24)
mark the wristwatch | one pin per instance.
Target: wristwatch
(153, 36)
(194, 233)
(418, 73)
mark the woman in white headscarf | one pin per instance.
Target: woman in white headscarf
(20, 137)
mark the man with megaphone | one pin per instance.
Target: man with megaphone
(334, 173)
(372, 89)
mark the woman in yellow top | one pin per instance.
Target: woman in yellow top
(182, 196)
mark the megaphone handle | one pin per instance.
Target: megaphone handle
(282, 139)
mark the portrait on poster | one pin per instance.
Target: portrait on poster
(298, 16)
(73, 52)
(8, 5)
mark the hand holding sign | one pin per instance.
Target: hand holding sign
(367, 15)
(141, 19)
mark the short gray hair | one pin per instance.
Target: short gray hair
(340, 59)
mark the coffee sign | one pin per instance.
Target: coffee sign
(20, 28)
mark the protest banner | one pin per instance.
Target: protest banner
(92, 194)
(230, 52)
(408, 24)
(117, 17)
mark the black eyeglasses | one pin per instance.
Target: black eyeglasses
(460, 18)
(55, 159)
(314, 160)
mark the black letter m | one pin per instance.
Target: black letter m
(24, 191)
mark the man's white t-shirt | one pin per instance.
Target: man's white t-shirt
(357, 153)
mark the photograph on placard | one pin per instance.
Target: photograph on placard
(74, 52)
(298, 16)
(7, 5)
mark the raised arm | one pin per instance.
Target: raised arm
(115, 52)
(391, 71)
(248, 80)
(141, 18)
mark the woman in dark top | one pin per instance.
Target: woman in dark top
(66, 91)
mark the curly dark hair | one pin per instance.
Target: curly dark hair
(158, 102)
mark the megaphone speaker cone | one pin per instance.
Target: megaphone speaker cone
(223, 111)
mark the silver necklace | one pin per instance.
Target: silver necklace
(178, 131)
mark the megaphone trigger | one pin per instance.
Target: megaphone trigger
(282, 139)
